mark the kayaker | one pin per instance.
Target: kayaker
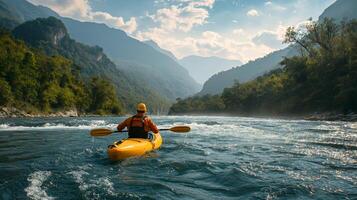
(139, 125)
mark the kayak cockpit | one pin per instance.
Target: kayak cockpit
(133, 147)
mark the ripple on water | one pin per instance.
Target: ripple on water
(4, 126)
(85, 125)
(36, 190)
(221, 158)
(211, 123)
(93, 186)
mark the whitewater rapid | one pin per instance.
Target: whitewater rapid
(221, 158)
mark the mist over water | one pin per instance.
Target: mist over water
(221, 158)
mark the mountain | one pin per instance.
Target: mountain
(308, 84)
(50, 35)
(201, 68)
(23, 11)
(34, 83)
(158, 71)
(159, 49)
(174, 80)
(341, 9)
(214, 85)
(7, 19)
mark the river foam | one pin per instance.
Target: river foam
(52, 126)
(220, 158)
(36, 190)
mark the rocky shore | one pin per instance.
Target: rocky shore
(11, 112)
(332, 117)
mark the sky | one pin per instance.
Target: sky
(233, 29)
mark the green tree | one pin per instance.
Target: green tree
(322, 80)
(5, 93)
(104, 98)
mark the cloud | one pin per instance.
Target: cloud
(184, 16)
(201, 3)
(208, 43)
(302, 25)
(274, 6)
(81, 10)
(241, 35)
(129, 26)
(238, 31)
(253, 13)
(241, 44)
(171, 24)
(269, 39)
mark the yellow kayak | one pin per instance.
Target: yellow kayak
(133, 147)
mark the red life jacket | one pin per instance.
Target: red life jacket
(138, 131)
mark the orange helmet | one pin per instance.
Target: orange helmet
(141, 107)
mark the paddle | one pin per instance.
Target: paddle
(105, 131)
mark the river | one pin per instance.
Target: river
(221, 158)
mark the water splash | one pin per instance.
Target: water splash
(222, 157)
(36, 190)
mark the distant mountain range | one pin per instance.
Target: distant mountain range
(341, 9)
(144, 60)
(158, 48)
(201, 68)
(155, 69)
(216, 83)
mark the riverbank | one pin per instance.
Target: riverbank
(327, 116)
(11, 112)
(351, 117)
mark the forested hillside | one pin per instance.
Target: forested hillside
(7, 18)
(249, 71)
(36, 83)
(323, 79)
(339, 10)
(159, 73)
(156, 70)
(50, 35)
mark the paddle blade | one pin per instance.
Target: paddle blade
(101, 132)
(180, 129)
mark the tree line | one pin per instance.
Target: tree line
(37, 83)
(322, 78)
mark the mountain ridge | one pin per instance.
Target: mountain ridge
(175, 81)
(175, 76)
(50, 35)
(216, 83)
(340, 10)
(201, 68)
(158, 48)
